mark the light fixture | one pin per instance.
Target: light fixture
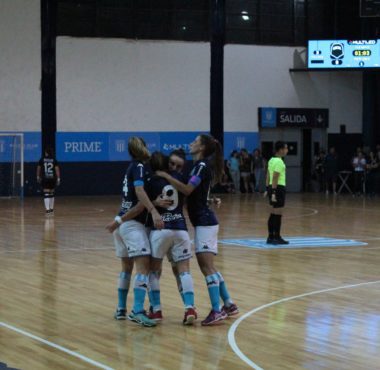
(245, 16)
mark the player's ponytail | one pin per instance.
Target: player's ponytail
(137, 149)
(214, 152)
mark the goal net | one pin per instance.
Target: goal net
(11, 165)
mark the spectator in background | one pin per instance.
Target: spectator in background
(331, 166)
(245, 170)
(372, 178)
(359, 164)
(319, 169)
(233, 165)
(258, 168)
(223, 187)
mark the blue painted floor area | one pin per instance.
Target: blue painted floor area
(294, 242)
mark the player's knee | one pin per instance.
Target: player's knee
(127, 264)
(205, 268)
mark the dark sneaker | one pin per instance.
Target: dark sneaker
(279, 241)
(231, 310)
(190, 316)
(120, 314)
(270, 240)
(214, 318)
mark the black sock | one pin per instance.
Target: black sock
(279, 222)
(277, 226)
(271, 222)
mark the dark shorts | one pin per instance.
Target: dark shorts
(331, 177)
(48, 184)
(280, 195)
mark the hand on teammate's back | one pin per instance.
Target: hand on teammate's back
(157, 220)
(162, 174)
(162, 203)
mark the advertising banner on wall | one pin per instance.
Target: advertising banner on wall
(293, 117)
(32, 147)
(113, 146)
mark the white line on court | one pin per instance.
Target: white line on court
(56, 346)
(58, 250)
(312, 213)
(235, 325)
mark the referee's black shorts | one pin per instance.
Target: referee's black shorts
(280, 196)
(48, 183)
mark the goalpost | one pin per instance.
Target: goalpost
(12, 165)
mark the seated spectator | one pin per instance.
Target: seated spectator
(224, 186)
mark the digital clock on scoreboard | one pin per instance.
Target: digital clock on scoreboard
(344, 54)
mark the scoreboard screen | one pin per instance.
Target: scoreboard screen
(344, 54)
(370, 8)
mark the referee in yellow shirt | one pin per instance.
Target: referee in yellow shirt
(276, 188)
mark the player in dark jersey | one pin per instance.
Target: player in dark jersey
(131, 239)
(206, 169)
(48, 176)
(173, 239)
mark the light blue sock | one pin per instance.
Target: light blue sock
(140, 286)
(154, 291)
(224, 291)
(213, 291)
(122, 290)
(188, 289)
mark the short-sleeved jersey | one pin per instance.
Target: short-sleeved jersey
(173, 216)
(48, 165)
(135, 176)
(199, 212)
(276, 164)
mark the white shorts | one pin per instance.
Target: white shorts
(175, 243)
(131, 240)
(206, 239)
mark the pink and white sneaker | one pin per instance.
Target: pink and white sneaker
(190, 316)
(214, 318)
(231, 310)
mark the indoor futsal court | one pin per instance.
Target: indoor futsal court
(233, 143)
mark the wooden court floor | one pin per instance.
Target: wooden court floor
(304, 308)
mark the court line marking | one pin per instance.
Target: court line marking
(235, 325)
(56, 346)
(59, 250)
(298, 242)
